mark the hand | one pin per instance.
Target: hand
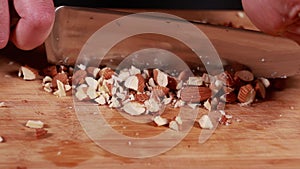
(33, 27)
(275, 17)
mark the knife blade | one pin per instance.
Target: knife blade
(265, 55)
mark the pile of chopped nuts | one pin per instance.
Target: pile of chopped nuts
(136, 91)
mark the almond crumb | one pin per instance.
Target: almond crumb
(35, 124)
(1, 139)
(160, 121)
(205, 122)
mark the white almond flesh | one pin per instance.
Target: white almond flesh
(47, 79)
(28, 74)
(123, 75)
(160, 121)
(162, 78)
(132, 83)
(47, 87)
(1, 139)
(68, 87)
(100, 100)
(2, 104)
(178, 120)
(265, 81)
(91, 82)
(35, 124)
(91, 92)
(80, 94)
(205, 122)
(96, 72)
(134, 108)
(195, 81)
(134, 71)
(115, 103)
(207, 105)
(174, 126)
(152, 105)
(61, 89)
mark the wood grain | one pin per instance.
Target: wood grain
(266, 136)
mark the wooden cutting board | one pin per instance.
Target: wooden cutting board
(265, 135)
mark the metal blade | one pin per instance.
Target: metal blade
(266, 55)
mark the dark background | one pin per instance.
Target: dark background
(160, 4)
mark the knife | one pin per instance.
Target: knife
(265, 55)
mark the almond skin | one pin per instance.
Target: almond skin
(79, 77)
(260, 89)
(195, 94)
(244, 75)
(107, 73)
(141, 82)
(141, 97)
(246, 93)
(61, 77)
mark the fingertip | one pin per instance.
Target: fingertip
(4, 23)
(35, 25)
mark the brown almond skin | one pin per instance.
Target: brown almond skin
(141, 97)
(244, 92)
(79, 77)
(90, 70)
(141, 84)
(61, 77)
(195, 94)
(161, 91)
(172, 83)
(244, 75)
(107, 73)
(260, 89)
(231, 97)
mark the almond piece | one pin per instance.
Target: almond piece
(28, 73)
(135, 82)
(160, 91)
(62, 77)
(2, 139)
(100, 100)
(174, 125)
(141, 97)
(195, 94)
(195, 81)
(244, 75)
(246, 94)
(178, 120)
(93, 71)
(260, 89)
(79, 77)
(229, 97)
(107, 73)
(160, 121)
(36, 124)
(160, 77)
(172, 83)
(205, 122)
(47, 79)
(61, 92)
(134, 108)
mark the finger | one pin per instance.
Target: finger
(35, 24)
(4, 23)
